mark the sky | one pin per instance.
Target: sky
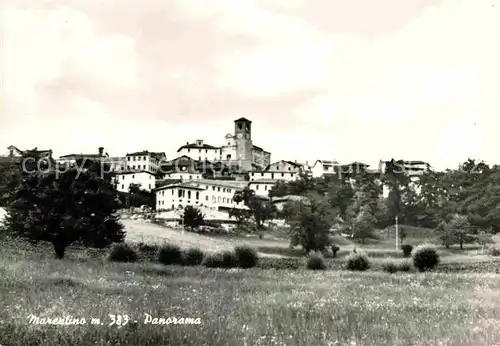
(356, 80)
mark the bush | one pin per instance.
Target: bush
(407, 248)
(192, 257)
(425, 257)
(149, 251)
(390, 266)
(358, 261)
(494, 252)
(224, 259)
(246, 256)
(122, 252)
(192, 217)
(404, 266)
(315, 261)
(170, 254)
(335, 249)
(229, 259)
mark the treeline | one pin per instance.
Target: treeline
(462, 205)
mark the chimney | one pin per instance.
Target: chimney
(101, 151)
(295, 161)
(187, 143)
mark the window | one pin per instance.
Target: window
(282, 174)
(123, 186)
(172, 192)
(206, 198)
(163, 193)
(256, 187)
(134, 158)
(133, 166)
(213, 188)
(189, 194)
(265, 187)
(190, 177)
(123, 177)
(128, 158)
(206, 151)
(150, 186)
(128, 166)
(144, 158)
(199, 150)
(189, 150)
(229, 190)
(262, 174)
(218, 189)
(228, 157)
(179, 193)
(143, 166)
(272, 175)
(133, 176)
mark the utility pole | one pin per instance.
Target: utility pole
(397, 234)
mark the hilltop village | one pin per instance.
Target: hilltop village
(205, 175)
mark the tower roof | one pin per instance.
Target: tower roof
(242, 120)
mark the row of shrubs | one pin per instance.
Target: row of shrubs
(170, 254)
(424, 257)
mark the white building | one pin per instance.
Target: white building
(116, 164)
(273, 175)
(324, 167)
(145, 179)
(184, 176)
(262, 186)
(200, 151)
(145, 161)
(204, 192)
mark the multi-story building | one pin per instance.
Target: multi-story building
(116, 164)
(200, 151)
(324, 167)
(216, 194)
(145, 179)
(273, 175)
(145, 160)
(262, 186)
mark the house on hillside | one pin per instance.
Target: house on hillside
(14, 155)
(200, 151)
(145, 160)
(70, 159)
(324, 167)
(262, 186)
(145, 179)
(280, 202)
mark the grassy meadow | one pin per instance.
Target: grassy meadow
(239, 307)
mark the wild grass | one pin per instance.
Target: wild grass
(242, 306)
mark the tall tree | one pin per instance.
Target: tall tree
(64, 207)
(310, 222)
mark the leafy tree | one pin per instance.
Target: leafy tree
(363, 224)
(64, 207)
(310, 222)
(261, 209)
(192, 217)
(137, 197)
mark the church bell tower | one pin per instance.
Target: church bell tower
(243, 139)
